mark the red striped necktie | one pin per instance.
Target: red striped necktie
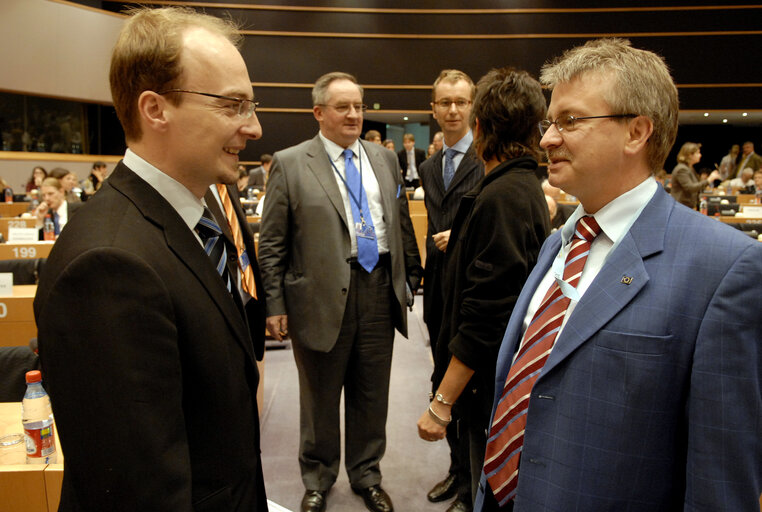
(506, 436)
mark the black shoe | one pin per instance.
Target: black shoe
(313, 501)
(459, 506)
(375, 498)
(444, 490)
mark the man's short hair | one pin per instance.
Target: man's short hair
(99, 164)
(58, 173)
(641, 85)
(509, 104)
(51, 182)
(408, 136)
(372, 135)
(266, 158)
(452, 76)
(321, 86)
(147, 57)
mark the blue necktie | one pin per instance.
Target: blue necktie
(449, 168)
(214, 244)
(56, 225)
(367, 248)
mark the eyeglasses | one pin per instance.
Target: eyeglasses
(460, 104)
(566, 123)
(343, 108)
(243, 108)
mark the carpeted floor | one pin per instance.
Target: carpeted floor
(410, 467)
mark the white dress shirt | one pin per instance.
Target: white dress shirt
(370, 186)
(615, 220)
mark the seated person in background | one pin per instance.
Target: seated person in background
(389, 144)
(93, 182)
(662, 177)
(758, 181)
(54, 203)
(746, 179)
(258, 175)
(243, 180)
(35, 180)
(68, 182)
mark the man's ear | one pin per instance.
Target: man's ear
(152, 110)
(638, 133)
(318, 113)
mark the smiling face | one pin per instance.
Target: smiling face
(206, 134)
(452, 120)
(343, 129)
(587, 161)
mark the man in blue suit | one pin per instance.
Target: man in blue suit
(649, 397)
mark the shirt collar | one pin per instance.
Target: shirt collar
(335, 152)
(462, 145)
(188, 206)
(616, 218)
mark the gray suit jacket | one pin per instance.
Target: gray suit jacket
(304, 241)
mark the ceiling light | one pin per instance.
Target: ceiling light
(706, 114)
(405, 118)
(724, 120)
(745, 114)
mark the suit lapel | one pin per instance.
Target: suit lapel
(184, 245)
(608, 294)
(320, 165)
(437, 179)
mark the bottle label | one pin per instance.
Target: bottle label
(40, 442)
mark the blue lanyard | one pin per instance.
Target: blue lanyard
(354, 198)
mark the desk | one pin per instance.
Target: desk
(15, 222)
(17, 325)
(25, 250)
(28, 487)
(13, 209)
(739, 220)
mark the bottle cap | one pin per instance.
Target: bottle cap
(33, 376)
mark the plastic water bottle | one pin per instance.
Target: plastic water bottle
(703, 206)
(8, 195)
(37, 418)
(48, 229)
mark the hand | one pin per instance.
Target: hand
(277, 326)
(428, 429)
(441, 240)
(41, 210)
(715, 175)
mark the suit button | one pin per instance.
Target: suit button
(343, 291)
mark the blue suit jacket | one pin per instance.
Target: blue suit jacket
(650, 399)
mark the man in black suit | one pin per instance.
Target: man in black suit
(54, 203)
(154, 392)
(411, 159)
(452, 98)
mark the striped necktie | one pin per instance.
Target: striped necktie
(244, 263)
(214, 245)
(506, 436)
(449, 167)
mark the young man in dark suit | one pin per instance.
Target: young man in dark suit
(451, 102)
(411, 159)
(154, 391)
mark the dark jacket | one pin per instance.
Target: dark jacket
(496, 237)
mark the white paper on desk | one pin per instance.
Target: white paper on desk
(23, 235)
(6, 284)
(754, 212)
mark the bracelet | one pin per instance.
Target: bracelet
(439, 398)
(438, 419)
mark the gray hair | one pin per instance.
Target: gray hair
(321, 86)
(642, 85)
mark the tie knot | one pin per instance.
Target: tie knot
(587, 228)
(348, 154)
(207, 227)
(450, 153)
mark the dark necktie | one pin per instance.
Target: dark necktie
(214, 245)
(367, 248)
(506, 435)
(449, 167)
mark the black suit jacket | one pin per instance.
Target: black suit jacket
(148, 360)
(420, 156)
(441, 207)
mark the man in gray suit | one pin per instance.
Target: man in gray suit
(337, 249)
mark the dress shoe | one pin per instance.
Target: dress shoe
(459, 506)
(375, 498)
(313, 501)
(444, 490)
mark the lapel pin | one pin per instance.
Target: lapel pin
(626, 279)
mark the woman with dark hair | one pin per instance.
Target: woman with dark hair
(68, 182)
(494, 242)
(686, 185)
(35, 180)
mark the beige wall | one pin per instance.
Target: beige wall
(56, 49)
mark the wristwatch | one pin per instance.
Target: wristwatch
(439, 398)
